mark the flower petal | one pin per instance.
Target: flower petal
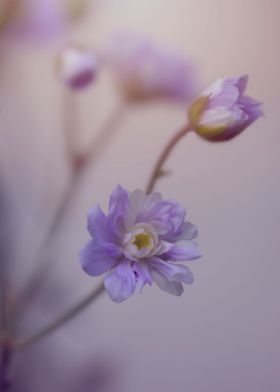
(119, 205)
(96, 223)
(120, 283)
(189, 232)
(142, 274)
(171, 287)
(166, 216)
(139, 201)
(173, 272)
(183, 251)
(94, 259)
(241, 83)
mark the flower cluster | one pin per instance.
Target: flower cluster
(140, 242)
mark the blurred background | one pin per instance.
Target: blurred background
(223, 333)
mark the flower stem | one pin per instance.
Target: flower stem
(158, 168)
(5, 346)
(61, 320)
(5, 360)
(79, 164)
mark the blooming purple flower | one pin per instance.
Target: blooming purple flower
(140, 242)
(223, 111)
(143, 70)
(77, 66)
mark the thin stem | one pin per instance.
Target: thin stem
(3, 313)
(158, 168)
(79, 165)
(5, 360)
(71, 121)
(61, 320)
(5, 346)
(106, 132)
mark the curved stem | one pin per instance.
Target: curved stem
(5, 359)
(158, 168)
(5, 342)
(61, 320)
(79, 164)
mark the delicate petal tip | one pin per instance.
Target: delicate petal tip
(242, 83)
(189, 232)
(171, 287)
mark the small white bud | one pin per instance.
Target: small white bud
(77, 66)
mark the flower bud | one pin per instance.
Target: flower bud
(143, 71)
(223, 111)
(75, 8)
(77, 66)
(8, 9)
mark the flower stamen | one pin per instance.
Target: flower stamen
(143, 240)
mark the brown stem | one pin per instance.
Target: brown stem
(5, 359)
(79, 165)
(61, 320)
(157, 171)
(5, 344)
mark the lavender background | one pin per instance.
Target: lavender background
(223, 333)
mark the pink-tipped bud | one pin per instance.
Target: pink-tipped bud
(222, 111)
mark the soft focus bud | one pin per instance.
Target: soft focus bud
(144, 71)
(8, 9)
(34, 20)
(223, 111)
(77, 66)
(76, 8)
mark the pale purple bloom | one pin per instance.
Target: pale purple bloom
(33, 19)
(143, 70)
(139, 242)
(223, 111)
(77, 66)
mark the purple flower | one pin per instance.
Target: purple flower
(223, 111)
(77, 66)
(35, 19)
(143, 70)
(139, 242)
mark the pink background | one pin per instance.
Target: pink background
(223, 333)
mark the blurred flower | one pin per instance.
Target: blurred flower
(77, 66)
(7, 10)
(223, 111)
(138, 242)
(37, 19)
(76, 8)
(143, 70)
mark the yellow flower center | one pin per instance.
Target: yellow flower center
(142, 240)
